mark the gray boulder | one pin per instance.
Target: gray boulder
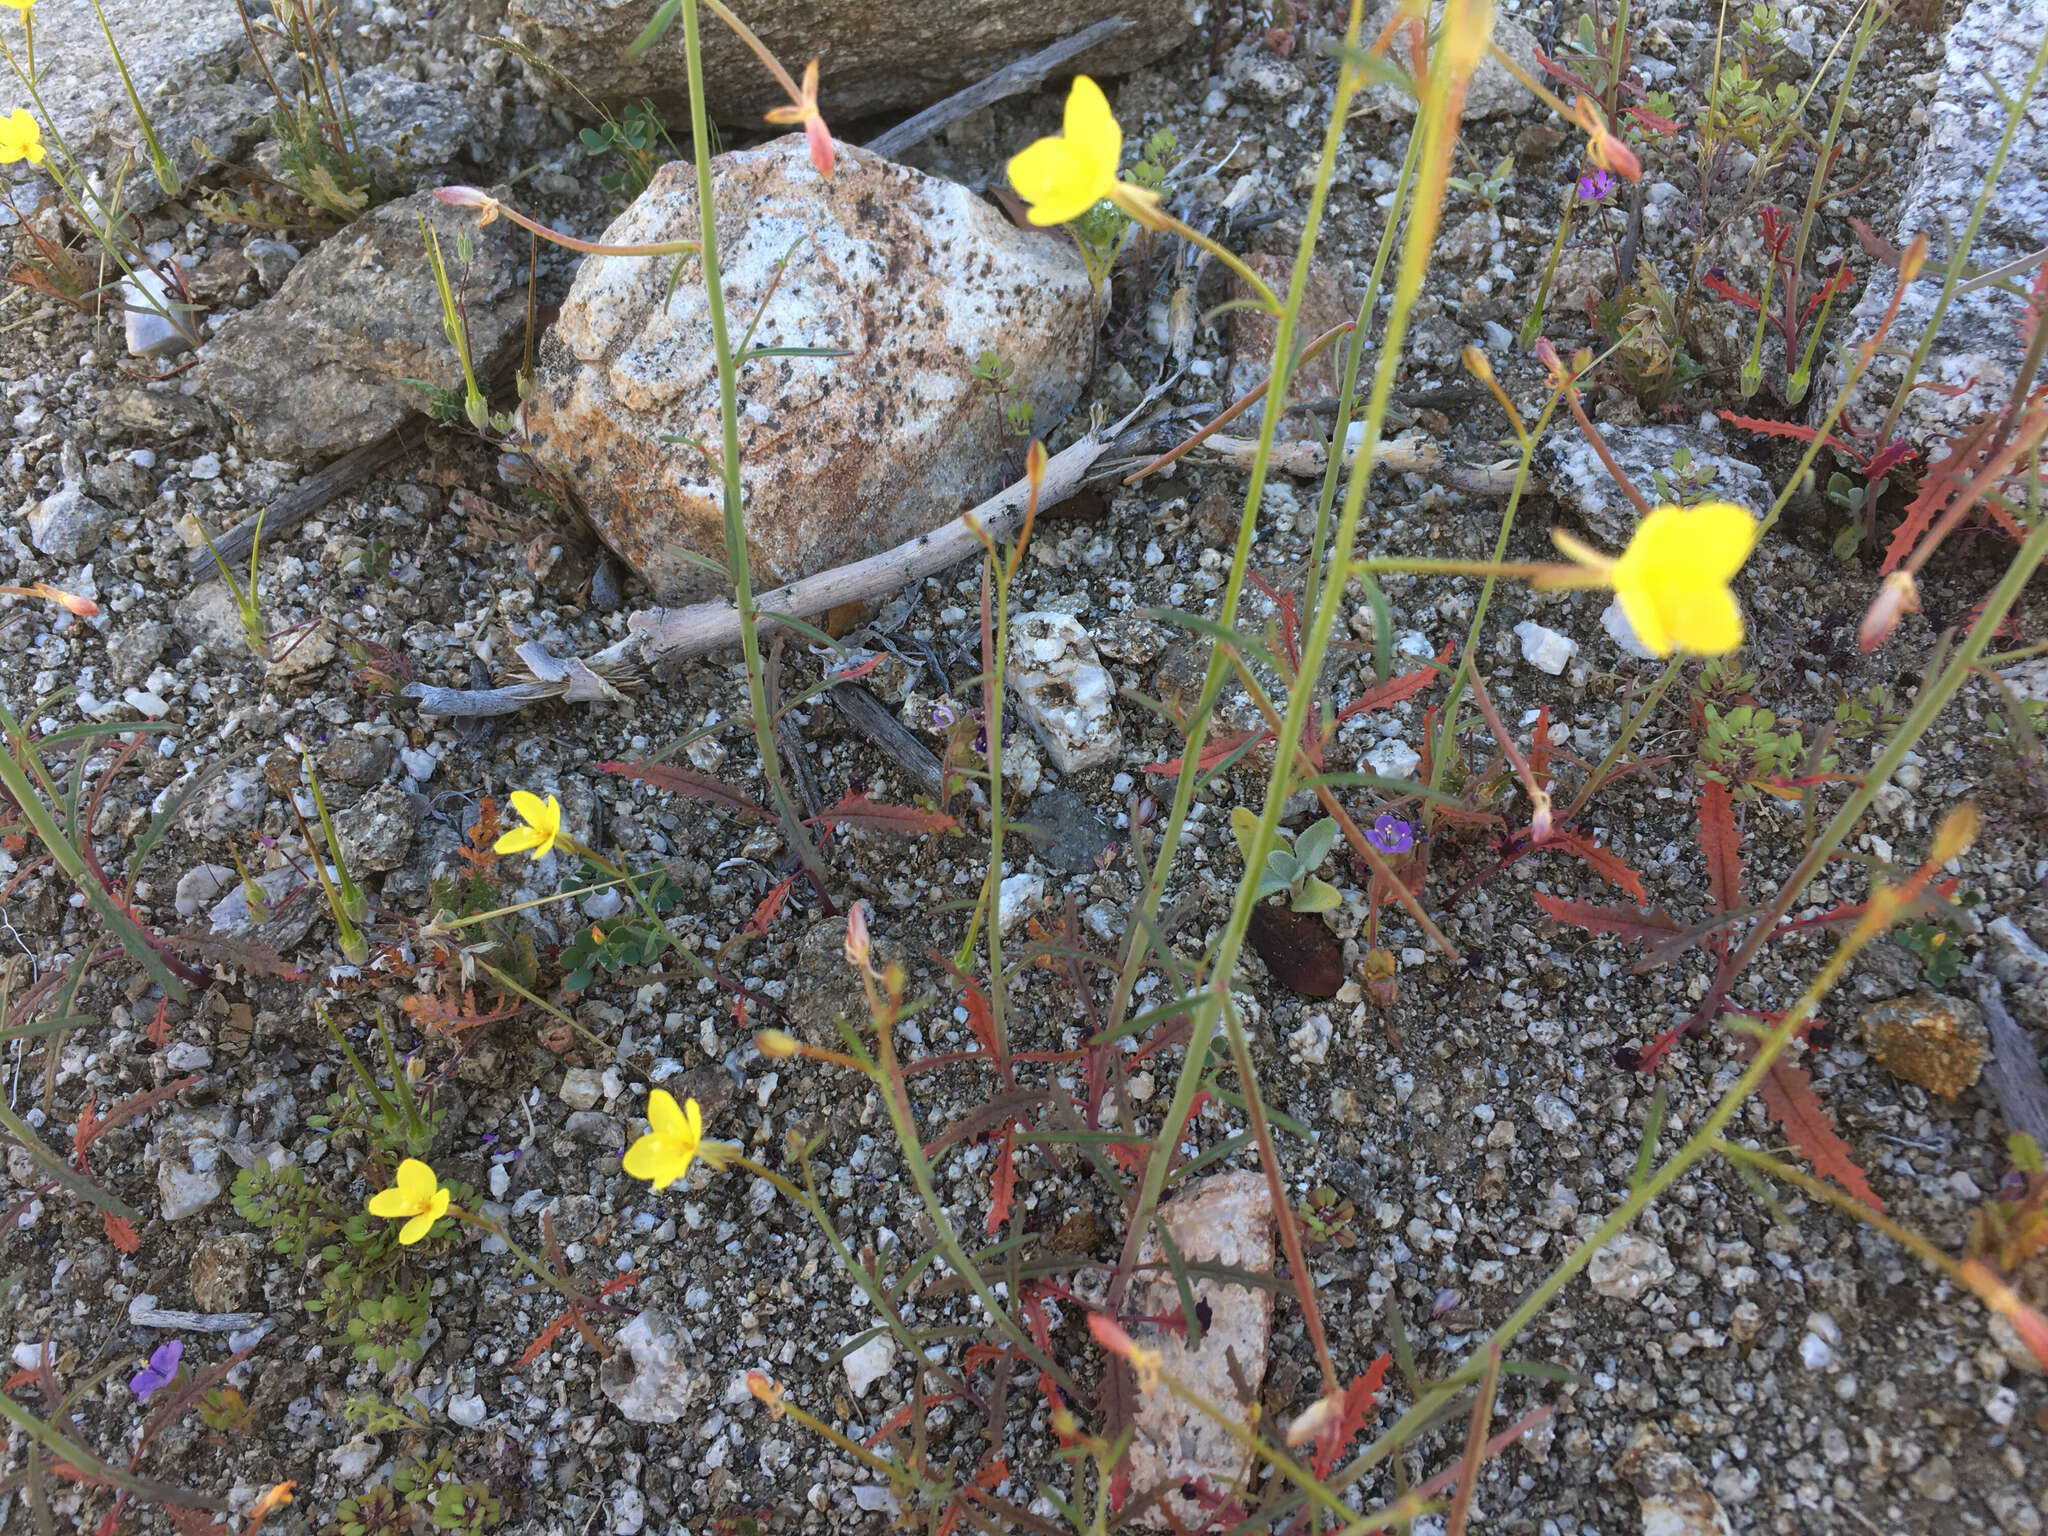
(323, 366)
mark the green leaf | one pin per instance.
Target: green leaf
(1244, 825)
(1313, 846)
(2024, 1151)
(652, 32)
(1318, 896)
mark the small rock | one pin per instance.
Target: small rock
(67, 524)
(649, 1378)
(1934, 1480)
(1546, 649)
(467, 1409)
(200, 886)
(223, 1270)
(581, 1088)
(301, 656)
(594, 1128)
(1018, 897)
(357, 761)
(870, 1363)
(133, 649)
(184, 1056)
(1940, 1043)
(1675, 1499)
(1065, 832)
(153, 321)
(351, 1463)
(188, 1156)
(376, 831)
(1629, 1266)
(1063, 690)
(1393, 759)
(1580, 479)
(1224, 1220)
(272, 260)
(1553, 1114)
(629, 1508)
(404, 128)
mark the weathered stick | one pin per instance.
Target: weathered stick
(868, 715)
(1007, 81)
(2014, 1070)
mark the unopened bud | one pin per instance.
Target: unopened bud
(1913, 260)
(1034, 463)
(1476, 364)
(1899, 596)
(71, 602)
(1317, 1417)
(1954, 834)
(857, 937)
(776, 1044)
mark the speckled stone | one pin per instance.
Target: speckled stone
(1937, 1042)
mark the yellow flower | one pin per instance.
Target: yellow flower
(665, 1153)
(24, 6)
(416, 1194)
(1672, 580)
(1064, 176)
(20, 136)
(543, 829)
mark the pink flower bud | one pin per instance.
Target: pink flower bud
(1898, 597)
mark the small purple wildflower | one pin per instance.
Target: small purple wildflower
(1390, 834)
(942, 718)
(162, 1368)
(1595, 185)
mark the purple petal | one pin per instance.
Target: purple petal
(165, 1357)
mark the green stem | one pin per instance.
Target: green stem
(1628, 732)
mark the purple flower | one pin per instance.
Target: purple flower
(162, 1367)
(1390, 834)
(1595, 185)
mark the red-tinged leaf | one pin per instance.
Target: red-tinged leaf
(1002, 1185)
(1875, 246)
(1213, 753)
(1715, 283)
(1892, 454)
(1791, 429)
(1359, 1398)
(1935, 493)
(216, 948)
(1639, 926)
(1396, 689)
(691, 786)
(1722, 845)
(867, 815)
(862, 669)
(1789, 1099)
(1648, 1057)
(1539, 749)
(1947, 391)
(121, 1232)
(554, 1330)
(981, 1021)
(159, 1029)
(1604, 862)
(92, 1124)
(771, 905)
(443, 1017)
(1842, 280)
(1649, 120)
(1298, 949)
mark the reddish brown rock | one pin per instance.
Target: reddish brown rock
(911, 277)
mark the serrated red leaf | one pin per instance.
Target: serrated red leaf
(1722, 845)
(1539, 750)
(92, 1124)
(858, 811)
(160, 1026)
(1638, 925)
(692, 786)
(121, 1232)
(1213, 753)
(1002, 1184)
(1789, 1099)
(1604, 862)
(1359, 1398)
(1934, 495)
(1713, 282)
(771, 904)
(1791, 429)
(1396, 690)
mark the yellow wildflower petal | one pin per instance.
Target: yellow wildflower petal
(1092, 128)
(1672, 580)
(518, 840)
(417, 1180)
(393, 1203)
(695, 1118)
(1713, 538)
(415, 1229)
(663, 1114)
(661, 1160)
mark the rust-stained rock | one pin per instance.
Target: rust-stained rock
(327, 363)
(874, 58)
(1937, 1042)
(912, 277)
(1227, 1220)
(1675, 1500)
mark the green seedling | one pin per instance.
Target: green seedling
(1493, 186)
(344, 898)
(1292, 870)
(453, 325)
(640, 139)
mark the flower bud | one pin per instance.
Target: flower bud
(1899, 596)
(71, 602)
(1477, 365)
(776, 1044)
(1034, 463)
(1954, 834)
(1913, 260)
(857, 937)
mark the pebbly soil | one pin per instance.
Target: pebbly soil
(1817, 1378)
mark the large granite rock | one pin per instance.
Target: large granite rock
(1982, 339)
(323, 366)
(843, 456)
(875, 58)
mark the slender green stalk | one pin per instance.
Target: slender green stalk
(1191, 775)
